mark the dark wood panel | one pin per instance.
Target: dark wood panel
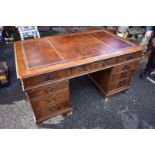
(51, 110)
(122, 75)
(102, 79)
(32, 81)
(119, 84)
(125, 67)
(51, 88)
(47, 100)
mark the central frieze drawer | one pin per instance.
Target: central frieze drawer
(91, 67)
(78, 70)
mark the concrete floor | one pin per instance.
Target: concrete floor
(136, 109)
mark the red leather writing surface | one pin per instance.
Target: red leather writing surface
(54, 50)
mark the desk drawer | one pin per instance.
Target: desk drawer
(110, 61)
(122, 75)
(32, 81)
(51, 109)
(128, 57)
(125, 67)
(134, 55)
(91, 67)
(115, 60)
(78, 70)
(119, 84)
(46, 100)
(99, 64)
(51, 88)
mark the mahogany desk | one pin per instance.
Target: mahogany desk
(45, 66)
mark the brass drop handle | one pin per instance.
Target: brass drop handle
(50, 100)
(126, 67)
(123, 75)
(49, 76)
(121, 84)
(130, 57)
(48, 90)
(82, 68)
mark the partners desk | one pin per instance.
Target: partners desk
(46, 65)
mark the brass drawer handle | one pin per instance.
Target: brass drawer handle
(122, 83)
(47, 77)
(123, 75)
(82, 68)
(51, 100)
(130, 57)
(48, 100)
(48, 90)
(125, 67)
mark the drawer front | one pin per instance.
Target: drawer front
(32, 81)
(124, 58)
(110, 61)
(78, 70)
(121, 58)
(125, 67)
(129, 57)
(51, 109)
(119, 84)
(122, 75)
(104, 63)
(51, 88)
(99, 64)
(91, 67)
(134, 56)
(46, 100)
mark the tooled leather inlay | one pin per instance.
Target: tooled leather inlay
(54, 50)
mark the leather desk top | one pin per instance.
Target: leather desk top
(36, 56)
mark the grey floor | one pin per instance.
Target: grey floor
(136, 109)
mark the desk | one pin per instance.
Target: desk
(46, 65)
